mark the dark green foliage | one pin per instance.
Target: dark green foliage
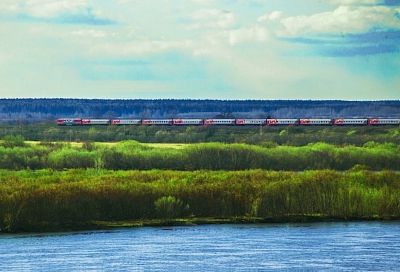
(30, 199)
(13, 141)
(23, 157)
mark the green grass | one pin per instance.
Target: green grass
(167, 145)
(108, 144)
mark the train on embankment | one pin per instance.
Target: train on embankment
(232, 122)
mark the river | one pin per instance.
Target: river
(355, 246)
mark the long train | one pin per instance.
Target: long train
(232, 122)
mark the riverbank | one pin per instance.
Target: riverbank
(235, 220)
(165, 223)
(48, 200)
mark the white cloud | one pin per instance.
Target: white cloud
(141, 48)
(248, 34)
(273, 16)
(8, 6)
(123, 2)
(51, 8)
(90, 33)
(212, 18)
(43, 8)
(203, 2)
(344, 19)
(356, 2)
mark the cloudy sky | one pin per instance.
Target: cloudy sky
(226, 49)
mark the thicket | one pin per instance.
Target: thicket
(211, 156)
(13, 141)
(35, 200)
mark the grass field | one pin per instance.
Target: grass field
(79, 144)
(166, 145)
(111, 144)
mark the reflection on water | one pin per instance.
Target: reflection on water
(358, 246)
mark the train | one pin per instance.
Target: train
(231, 122)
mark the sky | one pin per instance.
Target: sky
(226, 49)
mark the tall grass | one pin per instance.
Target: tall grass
(30, 200)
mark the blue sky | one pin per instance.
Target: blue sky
(227, 49)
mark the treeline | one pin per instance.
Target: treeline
(33, 110)
(296, 136)
(52, 200)
(16, 155)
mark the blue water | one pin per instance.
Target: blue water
(361, 246)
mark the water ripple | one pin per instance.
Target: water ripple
(361, 246)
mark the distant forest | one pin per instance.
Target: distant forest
(34, 110)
